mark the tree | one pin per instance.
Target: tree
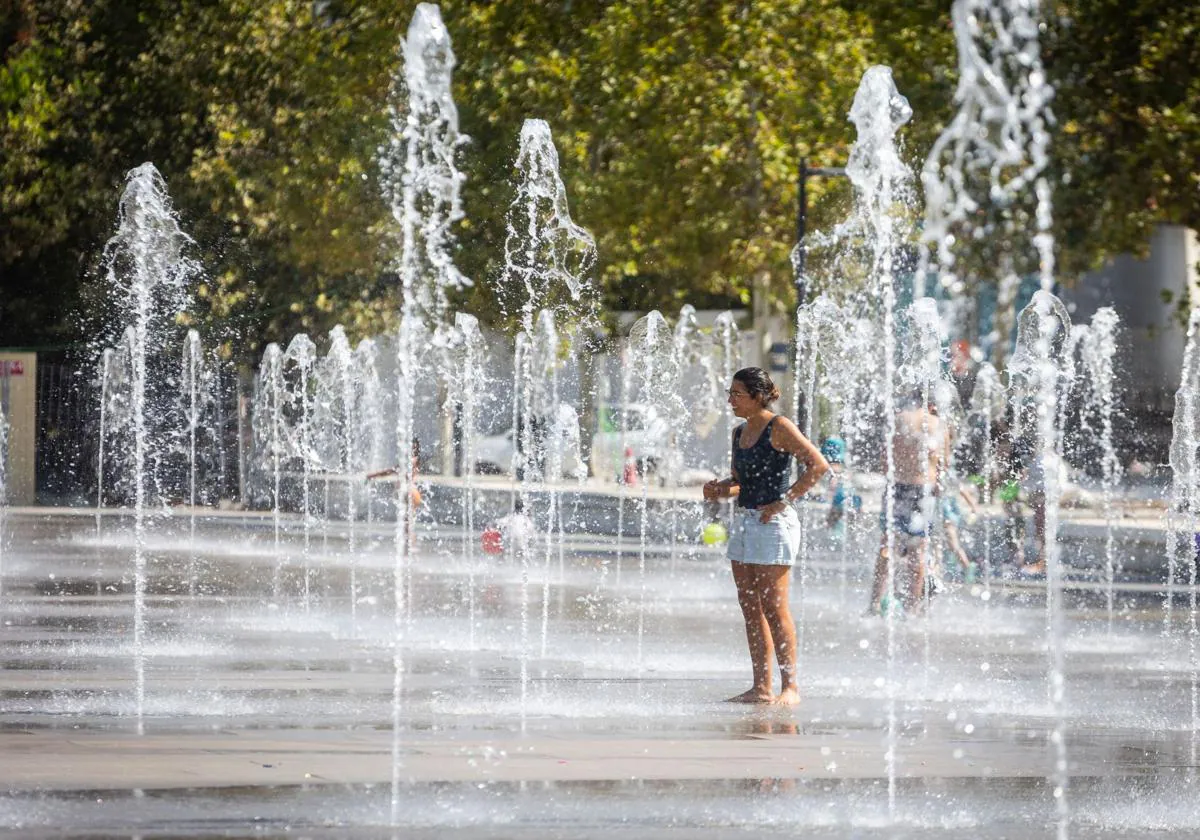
(1127, 77)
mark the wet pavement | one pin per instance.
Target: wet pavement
(577, 696)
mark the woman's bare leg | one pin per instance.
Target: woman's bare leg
(758, 633)
(956, 547)
(775, 586)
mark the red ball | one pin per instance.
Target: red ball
(492, 541)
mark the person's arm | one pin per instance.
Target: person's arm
(968, 498)
(725, 488)
(787, 438)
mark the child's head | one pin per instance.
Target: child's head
(833, 449)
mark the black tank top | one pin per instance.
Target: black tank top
(762, 470)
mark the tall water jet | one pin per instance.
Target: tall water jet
(1036, 373)
(652, 382)
(881, 183)
(3, 490)
(470, 381)
(195, 382)
(992, 157)
(1097, 350)
(296, 368)
(370, 445)
(547, 466)
(986, 407)
(337, 409)
(421, 183)
(726, 351)
(151, 279)
(699, 394)
(547, 258)
(1183, 512)
(921, 339)
(114, 441)
(271, 444)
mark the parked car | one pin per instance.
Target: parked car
(494, 453)
(635, 427)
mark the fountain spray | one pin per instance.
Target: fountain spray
(298, 361)
(151, 279)
(421, 183)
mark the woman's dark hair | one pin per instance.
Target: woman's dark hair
(758, 384)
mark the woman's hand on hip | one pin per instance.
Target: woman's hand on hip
(769, 511)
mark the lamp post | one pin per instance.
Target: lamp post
(800, 257)
(800, 261)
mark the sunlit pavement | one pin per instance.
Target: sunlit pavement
(273, 712)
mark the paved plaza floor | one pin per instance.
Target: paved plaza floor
(576, 695)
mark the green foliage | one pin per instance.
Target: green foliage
(679, 125)
(1127, 76)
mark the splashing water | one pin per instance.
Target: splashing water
(881, 182)
(993, 151)
(651, 382)
(545, 252)
(1097, 349)
(1038, 373)
(271, 445)
(471, 382)
(296, 369)
(151, 279)
(422, 185)
(421, 179)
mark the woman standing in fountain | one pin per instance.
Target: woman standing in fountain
(766, 529)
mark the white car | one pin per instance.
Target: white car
(635, 427)
(494, 453)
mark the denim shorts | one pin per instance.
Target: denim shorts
(773, 543)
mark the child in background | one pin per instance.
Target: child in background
(952, 518)
(834, 450)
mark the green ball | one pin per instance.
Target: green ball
(714, 533)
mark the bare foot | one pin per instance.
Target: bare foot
(788, 697)
(754, 695)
